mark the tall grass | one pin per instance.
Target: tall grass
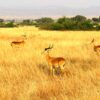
(24, 72)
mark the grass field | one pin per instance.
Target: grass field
(24, 72)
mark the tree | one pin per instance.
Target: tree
(98, 27)
(10, 24)
(44, 20)
(79, 18)
(99, 18)
(57, 26)
(87, 25)
(67, 23)
(26, 22)
(62, 20)
(44, 23)
(1, 20)
(95, 19)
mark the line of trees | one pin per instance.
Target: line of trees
(73, 23)
(9, 23)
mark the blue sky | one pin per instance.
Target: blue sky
(48, 7)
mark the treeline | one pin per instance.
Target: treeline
(64, 23)
(8, 23)
(74, 23)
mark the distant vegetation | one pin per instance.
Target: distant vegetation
(8, 23)
(74, 23)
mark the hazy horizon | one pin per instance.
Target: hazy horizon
(52, 8)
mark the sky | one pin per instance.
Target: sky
(38, 8)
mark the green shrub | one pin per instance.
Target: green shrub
(57, 26)
(98, 27)
(10, 24)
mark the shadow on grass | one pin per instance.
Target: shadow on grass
(45, 68)
(76, 63)
(85, 65)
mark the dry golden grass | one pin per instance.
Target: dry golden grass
(24, 73)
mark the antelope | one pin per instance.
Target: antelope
(19, 42)
(96, 48)
(54, 62)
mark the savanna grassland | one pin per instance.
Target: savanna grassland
(24, 72)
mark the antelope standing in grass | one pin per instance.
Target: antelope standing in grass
(96, 48)
(54, 62)
(19, 42)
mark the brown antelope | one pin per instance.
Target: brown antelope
(96, 48)
(54, 62)
(19, 42)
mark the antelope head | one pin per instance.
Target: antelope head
(48, 49)
(24, 36)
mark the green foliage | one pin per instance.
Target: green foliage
(97, 20)
(86, 25)
(98, 27)
(75, 23)
(79, 18)
(27, 22)
(69, 24)
(1, 20)
(62, 20)
(64, 24)
(44, 22)
(57, 26)
(10, 24)
(7, 24)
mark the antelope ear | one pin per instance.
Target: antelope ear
(92, 41)
(51, 46)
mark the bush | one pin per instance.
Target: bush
(10, 24)
(43, 22)
(98, 27)
(87, 25)
(27, 22)
(79, 18)
(70, 24)
(57, 26)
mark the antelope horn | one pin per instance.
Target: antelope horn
(51, 46)
(92, 41)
